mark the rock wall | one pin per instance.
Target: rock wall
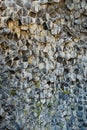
(43, 64)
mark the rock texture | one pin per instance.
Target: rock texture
(43, 64)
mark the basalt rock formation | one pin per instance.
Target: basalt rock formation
(43, 64)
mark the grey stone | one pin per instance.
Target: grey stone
(80, 108)
(70, 6)
(5, 31)
(77, 21)
(82, 128)
(85, 123)
(85, 12)
(83, 4)
(1, 111)
(16, 126)
(25, 20)
(65, 97)
(56, 30)
(48, 1)
(56, 128)
(79, 114)
(43, 65)
(76, 1)
(84, 24)
(2, 5)
(77, 14)
(28, 5)
(80, 119)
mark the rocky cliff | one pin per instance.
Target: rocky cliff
(43, 64)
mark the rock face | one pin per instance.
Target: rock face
(43, 64)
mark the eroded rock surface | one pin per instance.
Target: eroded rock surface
(43, 65)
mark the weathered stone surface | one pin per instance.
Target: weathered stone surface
(70, 6)
(76, 1)
(43, 65)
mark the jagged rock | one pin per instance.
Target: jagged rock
(48, 1)
(43, 64)
(27, 5)
(70, 6)
(2, 5)
(83, 4)
(56, 30)
(76, 1)
(5, 31)
(85, 123)
(78, 21)
(1, 111)
(25, 20)
(35, 6)
(77, 15)
(84, 24)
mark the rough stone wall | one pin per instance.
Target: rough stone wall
(43, 64)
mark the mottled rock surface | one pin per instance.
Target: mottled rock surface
(43, 64)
